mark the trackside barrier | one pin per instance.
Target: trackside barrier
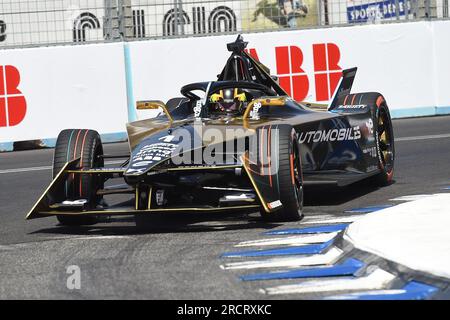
(398, 60)
(45, 90)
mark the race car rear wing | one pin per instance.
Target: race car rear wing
(344, 87)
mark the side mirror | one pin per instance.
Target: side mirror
(153, 105)
(150, 105)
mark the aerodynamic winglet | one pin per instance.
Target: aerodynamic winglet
(344, 87)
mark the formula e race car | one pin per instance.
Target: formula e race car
(237, 143)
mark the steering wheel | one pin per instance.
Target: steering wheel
(221, 85)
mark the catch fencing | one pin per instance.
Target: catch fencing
(48, 22)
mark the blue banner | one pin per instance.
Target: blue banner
(376, 11)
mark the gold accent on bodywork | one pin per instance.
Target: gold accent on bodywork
(34, 213)
(244, 160)
(153, 105)
(136, 205)
(87, 171)
(139, 130)
(205, 167)
(149, 205)
(130, 212)
(315, 106)
(383, 137)
(265, 101)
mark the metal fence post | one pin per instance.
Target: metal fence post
(178, 23)
(125, 19)
(397, 10)
(325, 12)
(111, 21)
(319, 12)
(180, 6)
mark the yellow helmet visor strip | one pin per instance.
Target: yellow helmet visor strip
(216, 97)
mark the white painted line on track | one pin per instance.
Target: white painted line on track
(25, 169)
(331, 256)
(43, 168)
(98, 238)
(292, 241)
(45, 240)
(426, 137)
(348, 219)
(366, 293)
(310, 217)
(377, 279)
(413, 197)
(7, 247)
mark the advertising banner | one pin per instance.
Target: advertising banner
(375, 11)
(46, 90)
(273, 14)
(307, 62)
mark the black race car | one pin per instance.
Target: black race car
(237, 143)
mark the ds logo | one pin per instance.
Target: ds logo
(293, 78)
(13, 105)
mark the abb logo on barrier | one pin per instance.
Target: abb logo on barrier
(13, 105)
(295, 81)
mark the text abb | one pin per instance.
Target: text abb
(13, 106)
(293, 78)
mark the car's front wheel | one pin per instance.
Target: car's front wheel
(289, 174)
(86, 145)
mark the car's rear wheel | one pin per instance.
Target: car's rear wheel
(290, 191)
(384, 137)
(86, 145)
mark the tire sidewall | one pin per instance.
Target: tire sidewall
(386, 175)
(292, 201)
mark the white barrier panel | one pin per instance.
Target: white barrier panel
(395, 59)
(441, 30)
(45, 90)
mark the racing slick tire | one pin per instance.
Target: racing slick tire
(289, 176)
(86, 145)
(382, 132)
(384, 137)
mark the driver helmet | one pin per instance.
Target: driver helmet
(228, 101)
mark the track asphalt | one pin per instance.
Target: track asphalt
(180, 259)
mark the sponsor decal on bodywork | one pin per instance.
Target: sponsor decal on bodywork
(274, 204)
(369, 125)
(254, 113)
(344, 134)
(352, 106)
(149, 155)
(372, 151)
(153, 152)
(371, 168)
